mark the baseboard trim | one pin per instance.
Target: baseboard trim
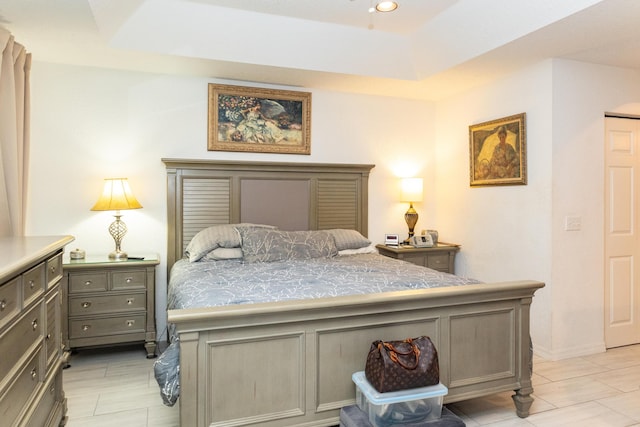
(568, 353)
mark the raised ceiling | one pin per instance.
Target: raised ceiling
(426, 49)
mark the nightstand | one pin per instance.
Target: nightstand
(440, 257)
(109, 302)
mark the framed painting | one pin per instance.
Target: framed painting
(498, 152)
(259, 120)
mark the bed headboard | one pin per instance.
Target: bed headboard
(292, 196)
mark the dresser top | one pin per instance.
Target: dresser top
(16, 253)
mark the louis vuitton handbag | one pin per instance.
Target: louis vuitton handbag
(400, 365)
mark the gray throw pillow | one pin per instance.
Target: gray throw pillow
(262, 245)
(217, 236)
(349, 239)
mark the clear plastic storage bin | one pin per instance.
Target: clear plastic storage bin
(396, 407)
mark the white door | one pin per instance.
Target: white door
(622, 255)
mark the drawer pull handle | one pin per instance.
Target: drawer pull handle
(86, 304)
(53, 269)
(128, 280)
(34, 324)
(87, 283)
(130, 323)
(34, 374)
(32, 284)
(48, 337)
(130, 301)
(3, 305)
(86, 327)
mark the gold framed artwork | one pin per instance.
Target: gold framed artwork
(498, 152)
(258, 120)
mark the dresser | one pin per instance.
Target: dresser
(31, 391)
(108, 302)
(440, 257)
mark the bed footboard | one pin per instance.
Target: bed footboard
(290, 363)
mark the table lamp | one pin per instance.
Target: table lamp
(117, 196)
(411, 191)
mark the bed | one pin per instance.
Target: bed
(285, 363)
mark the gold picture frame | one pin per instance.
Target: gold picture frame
(498, 152)
(258, 120)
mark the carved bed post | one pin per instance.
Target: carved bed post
(522, 399)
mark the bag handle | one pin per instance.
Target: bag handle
(393, 353)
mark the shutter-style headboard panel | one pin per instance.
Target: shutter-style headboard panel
(293, 196)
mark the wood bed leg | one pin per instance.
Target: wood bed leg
(523, 401)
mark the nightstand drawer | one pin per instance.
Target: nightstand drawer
(438, 262)
(100, 304)
(87, 328)
(131, 279)
(439, 257)
(417, 259)
(9, 301)
(33, 283)
(20, 338)
(89, 282)
(109, 302)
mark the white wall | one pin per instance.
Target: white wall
(89, 124)
(582, 93)
(518, 232)
(504, 231)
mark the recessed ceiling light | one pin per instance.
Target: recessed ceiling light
(386, 6)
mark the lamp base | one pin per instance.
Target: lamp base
(118, 256)
(411, 217)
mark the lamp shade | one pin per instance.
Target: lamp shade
(116, 195)
(411, 190)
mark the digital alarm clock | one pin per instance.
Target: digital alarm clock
(391, 240)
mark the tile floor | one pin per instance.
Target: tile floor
(117, 388)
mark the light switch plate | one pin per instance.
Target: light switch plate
(572, 223)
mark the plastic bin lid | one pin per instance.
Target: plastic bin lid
(377, 398)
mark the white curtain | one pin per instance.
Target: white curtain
(14, 134)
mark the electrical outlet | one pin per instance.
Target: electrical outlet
(572, 223)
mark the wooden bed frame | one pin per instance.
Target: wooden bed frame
(290, 363)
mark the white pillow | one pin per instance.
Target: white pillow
(371, 249)
(219, 254)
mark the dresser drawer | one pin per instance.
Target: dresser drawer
(53, 337)
(20, 392)
(438, 262)
(20, 338)
(112, 303)
(130, 279)
(33, 283)
(42, 415)
(54, 270)
(9, 295)
(87, 282)
(88, 328)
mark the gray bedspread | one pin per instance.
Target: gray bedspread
(217, 283)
